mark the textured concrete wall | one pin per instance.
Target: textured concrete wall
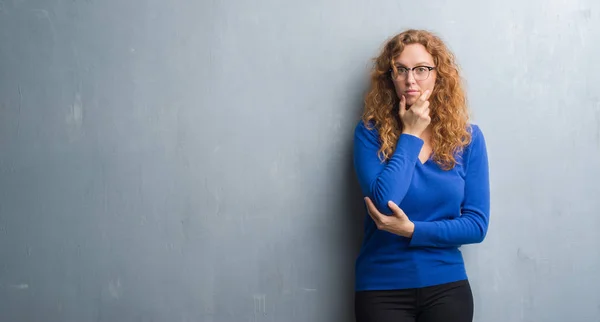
(191, 160)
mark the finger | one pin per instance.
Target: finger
(426, 111)
(402, 105)
(371, 215)
(423, 98)
(421, 101)
(395, 209)
(377, 216)
(371, 209)
(428, 92)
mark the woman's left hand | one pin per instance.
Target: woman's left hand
(396, 223)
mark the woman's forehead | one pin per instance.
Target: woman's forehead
(414, 54)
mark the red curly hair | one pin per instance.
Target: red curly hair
(447, 102)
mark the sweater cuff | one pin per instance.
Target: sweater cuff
(409, 146)
(424, 234)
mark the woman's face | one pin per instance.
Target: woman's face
(415, 74)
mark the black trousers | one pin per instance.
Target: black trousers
(451, 302)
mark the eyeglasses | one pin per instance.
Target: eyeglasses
(420, 73)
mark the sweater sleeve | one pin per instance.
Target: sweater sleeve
(471, 226)
(384, 181)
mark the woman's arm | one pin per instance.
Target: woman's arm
(471, 227)
(379, 181)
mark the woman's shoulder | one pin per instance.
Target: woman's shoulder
(475, 131)
(367, 128)
(477, 142)
(366, 133)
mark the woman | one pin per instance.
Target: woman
(424, 172)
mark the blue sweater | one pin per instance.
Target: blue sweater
(449, 209)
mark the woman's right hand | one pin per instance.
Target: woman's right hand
(416, 119)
